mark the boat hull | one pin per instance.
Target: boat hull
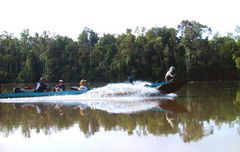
(40, 94)
(168, 87)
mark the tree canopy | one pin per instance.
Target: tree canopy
(145, 54)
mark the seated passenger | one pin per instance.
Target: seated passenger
(82, 84)
(60, 86)
(42, 86)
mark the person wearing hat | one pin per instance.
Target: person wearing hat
(42, 86)
(169, 77)
(82, 84)
(60, 86)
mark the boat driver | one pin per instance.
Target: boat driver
(169, 77)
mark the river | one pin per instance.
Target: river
(201, 116)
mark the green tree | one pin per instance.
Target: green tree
(9, 57)
(55, 62)
(32, 68)
(123, 63)
(103, 55)
(86, 41)
(191, 38)
(222, 66)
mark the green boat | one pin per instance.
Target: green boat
(40, 94)
(163, 87)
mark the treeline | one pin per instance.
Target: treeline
(146, 55)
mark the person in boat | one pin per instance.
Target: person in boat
(130, 79)
(82, 84)
(169, 77)
(59, 87)
(42, 86)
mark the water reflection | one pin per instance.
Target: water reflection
(43, 116)
(196, 113)
(169, 117)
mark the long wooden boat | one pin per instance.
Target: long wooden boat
(40, 94)
(163, 87)
(168, 87)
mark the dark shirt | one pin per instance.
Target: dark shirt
(41, 87)
(59, 87)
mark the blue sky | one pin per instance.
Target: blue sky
(69, 17)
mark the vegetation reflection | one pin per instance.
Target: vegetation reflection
(193, 115)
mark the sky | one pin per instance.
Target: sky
(70, 17)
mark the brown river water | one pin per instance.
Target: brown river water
(201, 116)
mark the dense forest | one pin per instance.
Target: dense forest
(146, 55)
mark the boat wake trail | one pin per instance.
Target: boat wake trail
(123, 89)
(113, 98)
